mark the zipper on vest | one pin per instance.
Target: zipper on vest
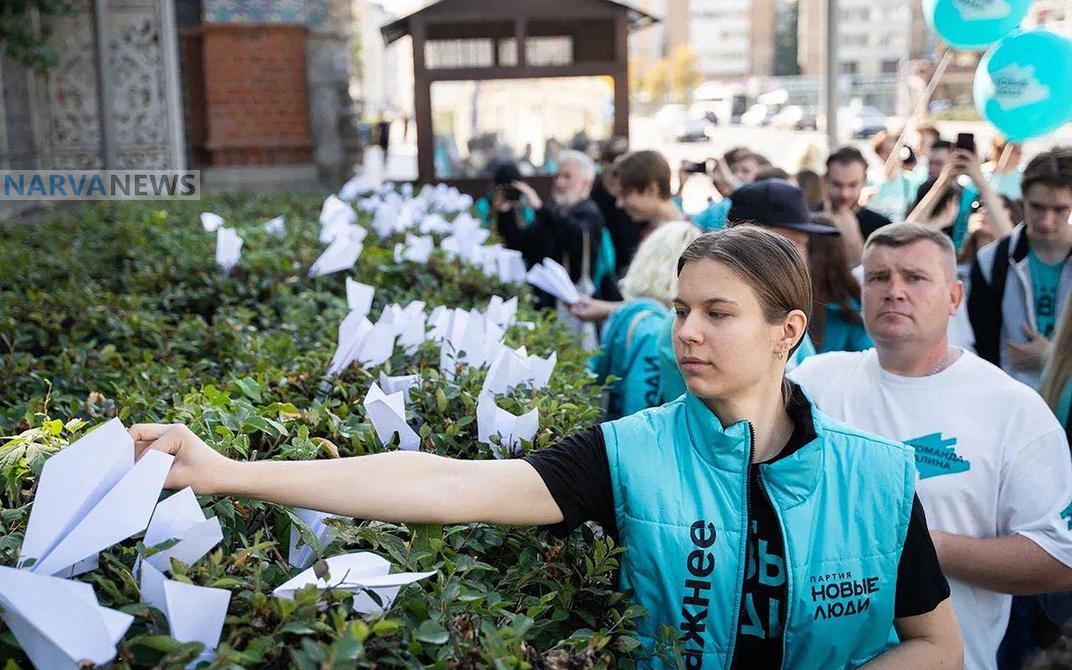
(742, 553)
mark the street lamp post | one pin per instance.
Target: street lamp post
(830, 75)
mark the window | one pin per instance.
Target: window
(444, 54)
(890, 66)
(850, 67)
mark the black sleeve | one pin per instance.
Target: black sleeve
(921, 585)
(870, 221)
(568, 230)
(532, 240)
(984, 314)
(577, 474)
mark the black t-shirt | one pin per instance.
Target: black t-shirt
(869, 220)
(577, 474)
(624, 231)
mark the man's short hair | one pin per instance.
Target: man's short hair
(737, 155)
(582, 160)
(903, 234)
(638, 170)
(846, 156)
(1051, 168)
(942, 144)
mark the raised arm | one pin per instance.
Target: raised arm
(930, 640)
(399, 486)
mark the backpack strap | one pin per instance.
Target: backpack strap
(999, 273)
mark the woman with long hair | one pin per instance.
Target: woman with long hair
(836, 324)
(1057, 377)
(763, 533)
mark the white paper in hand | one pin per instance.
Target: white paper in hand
(304, 555)
(211, 222)
(90, 496)
(493, 420)
(388, 416)
(194, 613)
(551, 277)
(58, 622)
(357, 573)
(228, 248)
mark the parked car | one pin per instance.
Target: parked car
(795, 117)
(756, 116)
(865, 122)
(695, 130)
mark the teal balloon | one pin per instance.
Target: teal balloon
(1022, 84)
(974, 24)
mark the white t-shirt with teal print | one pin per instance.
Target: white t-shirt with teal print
(992, 461)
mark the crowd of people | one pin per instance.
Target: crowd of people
(836, 431)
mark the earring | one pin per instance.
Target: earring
(779, 354)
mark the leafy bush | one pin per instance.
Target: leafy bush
(119, 310)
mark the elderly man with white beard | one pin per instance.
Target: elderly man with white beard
(559, 229)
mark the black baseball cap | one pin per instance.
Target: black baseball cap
(774, 203)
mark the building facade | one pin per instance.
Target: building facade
(733, 39)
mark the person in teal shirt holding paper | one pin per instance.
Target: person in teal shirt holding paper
(763, 533)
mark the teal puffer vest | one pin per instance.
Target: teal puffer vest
(844, 501)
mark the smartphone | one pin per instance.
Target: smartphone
(691, 167)
(510, 193)
(966, 141)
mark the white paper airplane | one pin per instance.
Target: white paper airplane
(359, 574)
(58, 622)
(90, 496)
(493, 420)
(388, 416)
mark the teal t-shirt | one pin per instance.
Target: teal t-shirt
(1064, 404)
(1045, 280)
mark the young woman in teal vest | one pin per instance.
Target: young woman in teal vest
(764, 533)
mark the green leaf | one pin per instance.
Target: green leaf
(249, 388)
(432, 633)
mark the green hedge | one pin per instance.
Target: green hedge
(119, 310)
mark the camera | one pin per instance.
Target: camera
(702, 167)
(509, 193)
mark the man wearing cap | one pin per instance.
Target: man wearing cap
(772, 203)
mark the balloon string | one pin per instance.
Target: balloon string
(921, 108)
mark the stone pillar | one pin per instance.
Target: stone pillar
(332, 112)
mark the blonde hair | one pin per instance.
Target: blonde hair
(651, 274)
(1058, 371)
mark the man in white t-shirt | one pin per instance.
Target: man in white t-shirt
(994, 467)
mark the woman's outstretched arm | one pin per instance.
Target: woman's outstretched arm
(400, 486)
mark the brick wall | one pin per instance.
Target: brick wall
(256, 96)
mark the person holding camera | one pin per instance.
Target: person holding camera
(947, 201)
(564, 230)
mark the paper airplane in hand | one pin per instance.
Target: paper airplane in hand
(228, 248)
(493, 420)
(194, 613)
(90, 496)
(388, 416)
(211, 222)
(551, 277)
(58, 622)
(304, 555)
(359, 574)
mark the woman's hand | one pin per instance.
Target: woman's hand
(592, 310)
(196, 465)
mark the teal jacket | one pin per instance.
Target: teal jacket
(674, 384)
(630, 352)
(840, 335)
(844, 501)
